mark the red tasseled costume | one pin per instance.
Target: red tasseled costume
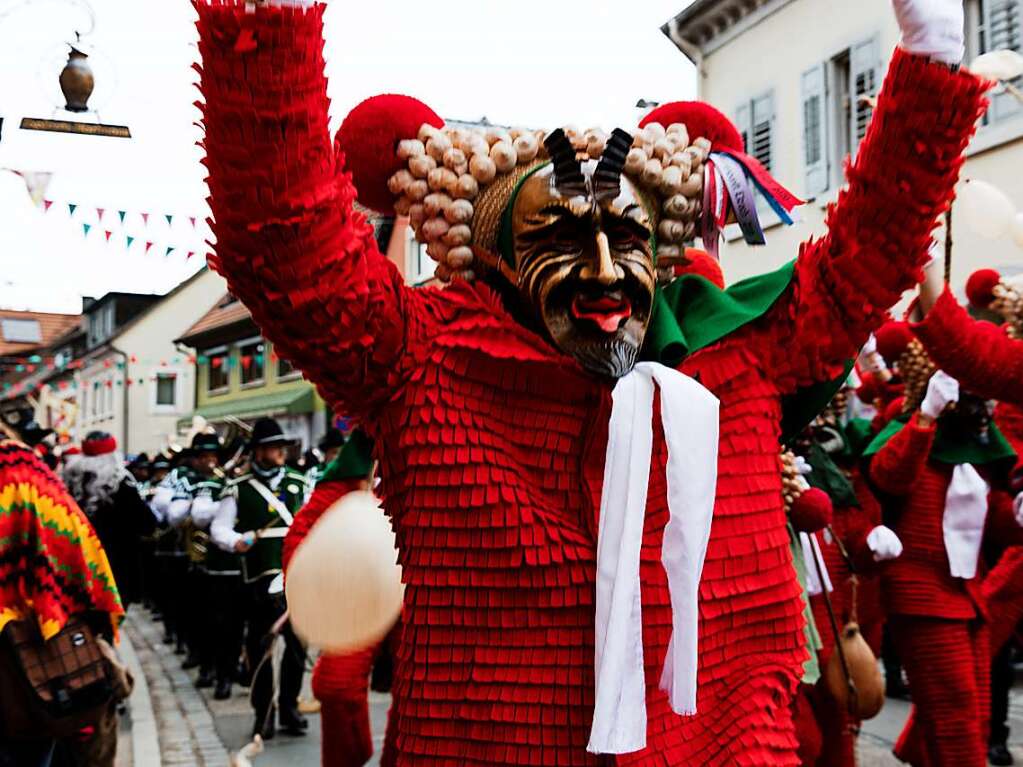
(340, 681)
(988, 362)
(850, 524)
(492, 444)
(938, 622)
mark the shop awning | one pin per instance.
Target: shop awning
(289, 402)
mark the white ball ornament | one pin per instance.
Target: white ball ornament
(344, 586)
(526, 147)
(504, 156)
(985, 209)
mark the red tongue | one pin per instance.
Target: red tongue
(606, 312)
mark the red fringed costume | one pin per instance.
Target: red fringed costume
(989, 363)
(938, 621)
(492, 443)
(340, 681)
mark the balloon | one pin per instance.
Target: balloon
(998, 65)
(343, 586)
(986, 209)
(1016, 227)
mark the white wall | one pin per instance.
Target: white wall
(151, 340)
(774, 54)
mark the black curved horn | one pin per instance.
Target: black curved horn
(607, 179)
(568, 173)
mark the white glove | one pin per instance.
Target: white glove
(1017, 509)
(932, 28)
(942, 391)
(802, 466)
(203, 510)
(870, 360)
(884, 543)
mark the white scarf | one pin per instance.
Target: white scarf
(689, 414)
(962, 524)
(813, 556)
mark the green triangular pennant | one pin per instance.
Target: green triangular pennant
(86, 228)
(169, 249)
(71, 208)
(121, 214)
(130, 241)
(169, 217)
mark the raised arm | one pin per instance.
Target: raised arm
(985, 360)
(287, 239)
(880, 228)
(897, 465)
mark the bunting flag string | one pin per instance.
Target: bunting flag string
(78, 211)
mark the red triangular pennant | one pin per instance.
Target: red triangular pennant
(192, 219)
(107, 232)
(47, 204)
(148, 246)
(190, 254)
(99, 213)
(145, 218)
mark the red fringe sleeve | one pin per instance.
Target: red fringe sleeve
(287, 240)
(897, 465)
(323, 497)
(879, 230)
(977, 353)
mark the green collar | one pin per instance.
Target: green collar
(354, 461)
(953, 451)
(692, 313)
(828, 477)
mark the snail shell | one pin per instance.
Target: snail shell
(495, 135)
(635, 161)
(680, 132)
(504, 156)
(693, 185)
(422, 165)
(459, 212)
(417, 190)
(482, 168)
(435, 204)
(467, 187)
(399, 182)
(656, 130)
(434, 229)
(704, 145)
(416, 215)
(663, 149)
(668, 251)
(460, 257)
(438, 251)
(526, 147)
(651, 174)
(675, 206)
(426, 132)
(671, 230)
(454, 160)
(410, 148)
(402, 205)
(442, 272)
(458, 235)
(464, 274)
(671, 180)
(437, 146)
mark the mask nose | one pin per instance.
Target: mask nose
(603, 269)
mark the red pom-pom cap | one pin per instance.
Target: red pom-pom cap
(892, 340)
(369, 138)
(701, 120)
(980, 287)
(811, 511)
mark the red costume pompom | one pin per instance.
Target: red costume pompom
(894, 409)
(369, 138)
(701, 120)
(870, 387)
(892, 339)
(702, 264)
(980, 287)
(811, 511)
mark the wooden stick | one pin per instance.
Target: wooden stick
(948, 245)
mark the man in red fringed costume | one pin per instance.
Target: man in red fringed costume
(492, 401)
(340, 680)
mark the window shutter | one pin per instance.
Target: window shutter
(763, 130)
(864, 80)
(1003, 30)
(742, 122)
(815, 130)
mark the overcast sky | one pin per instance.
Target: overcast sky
(541, 63)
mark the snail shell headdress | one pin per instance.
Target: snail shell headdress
(455, 183)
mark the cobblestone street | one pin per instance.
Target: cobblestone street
(172, 724)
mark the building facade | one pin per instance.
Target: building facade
(798, 76)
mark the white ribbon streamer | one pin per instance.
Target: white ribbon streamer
(689, 415)
(962, 524)
(812, 547)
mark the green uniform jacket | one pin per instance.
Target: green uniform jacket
(259, 515)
